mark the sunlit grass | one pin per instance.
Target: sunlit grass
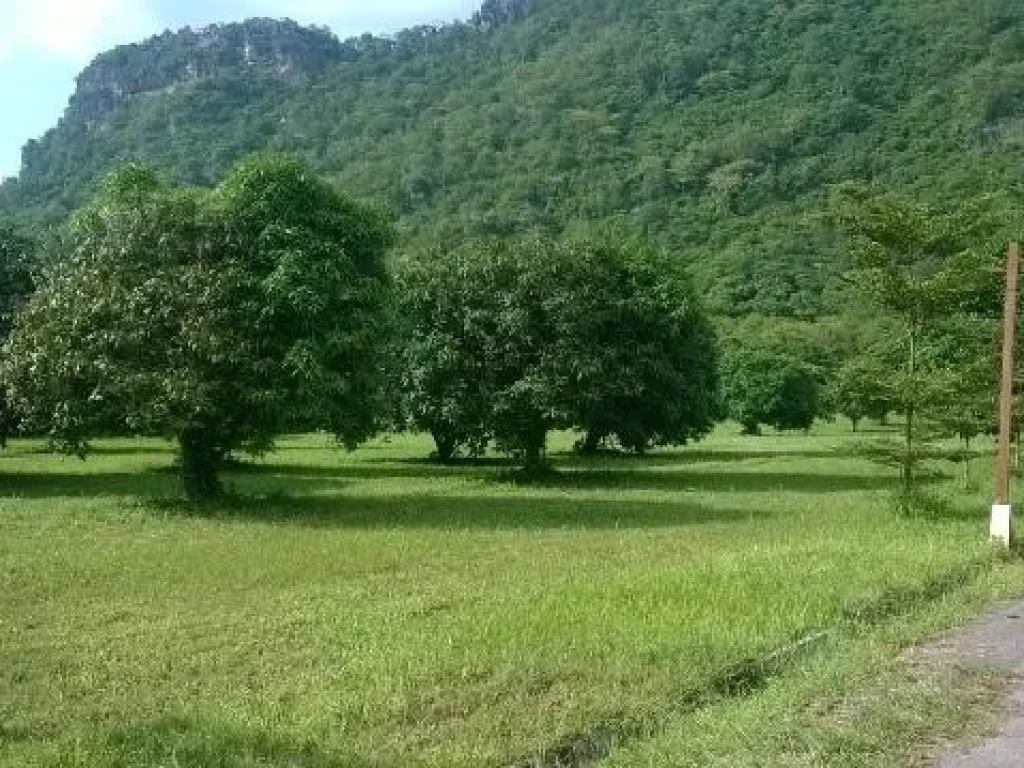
(374, 609)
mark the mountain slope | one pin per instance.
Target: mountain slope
(716, 125)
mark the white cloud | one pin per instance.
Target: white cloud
(74, 30)
(77, 30)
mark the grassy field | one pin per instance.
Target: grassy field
(371, 609)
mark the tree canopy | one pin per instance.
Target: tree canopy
(217, 318)
(18, 253)
(635, 354)
(934, 274)
(774, 372)
(506, 341)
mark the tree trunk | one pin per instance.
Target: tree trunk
(532, 459)
(445, 446)
(533, 452)
(908, 430)
(967, 463)
(199, 463)
(908, 450)
(591, 443)
(854, 422)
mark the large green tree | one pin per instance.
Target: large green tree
(505, 341)
(769, 388)
(524, 279)
(445, 325)
(479, 343)
(215, 318)
(635, 358)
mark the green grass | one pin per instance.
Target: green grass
(371, 609)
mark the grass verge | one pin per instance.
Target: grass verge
(374, 610)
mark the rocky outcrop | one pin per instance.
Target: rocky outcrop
(281, 49)
(496, 13)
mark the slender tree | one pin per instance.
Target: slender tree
(919, 265)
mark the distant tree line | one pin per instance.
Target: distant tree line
(223, 317)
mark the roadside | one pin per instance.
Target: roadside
(994, 642)
(907, 692)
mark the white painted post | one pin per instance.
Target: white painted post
(1001, 527)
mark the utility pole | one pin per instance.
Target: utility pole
(1002, 510)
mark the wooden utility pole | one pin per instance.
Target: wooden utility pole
(1002, 511)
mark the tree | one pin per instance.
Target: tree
(772, 373)
(964, 350)
(444, 320)
(857, 388)
(506, 341)
(521, 278)
(764, 387)
(17, 253)
(856, 383)
(215, 318)
(17, 259)
(635, 358)
(919, 265)
(478, 343)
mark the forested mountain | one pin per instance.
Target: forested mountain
(717, 126)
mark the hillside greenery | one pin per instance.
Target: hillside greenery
(715, 127)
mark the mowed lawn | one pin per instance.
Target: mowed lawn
(372, 609)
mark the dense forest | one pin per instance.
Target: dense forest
(716, 128)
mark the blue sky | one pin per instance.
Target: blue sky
(44, 44)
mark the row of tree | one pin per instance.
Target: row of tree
(223, 317)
